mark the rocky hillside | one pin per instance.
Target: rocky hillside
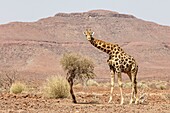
(35, 48)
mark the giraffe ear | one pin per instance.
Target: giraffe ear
(92, 33)
(84, 33)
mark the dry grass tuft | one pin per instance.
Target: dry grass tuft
(158, 85)
(92, 82)
(166, 96)
(141, 85)
(56, 87)
(17, 87)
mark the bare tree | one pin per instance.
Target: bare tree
(7, 78)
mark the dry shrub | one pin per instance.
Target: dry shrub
(56, 87)
(165, 97)
(17, 88)
(92, 82)
(143, 85)
(127, 85)
(158, 85)
(104, 84)
(81, 67)
(7, 78)
(162, 87)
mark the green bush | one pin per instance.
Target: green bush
(56, 87)
(17, 88)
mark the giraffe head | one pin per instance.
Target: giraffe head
(89, 34)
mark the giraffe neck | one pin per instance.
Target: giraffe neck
(103, 46)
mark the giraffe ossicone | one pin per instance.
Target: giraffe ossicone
(118, 62)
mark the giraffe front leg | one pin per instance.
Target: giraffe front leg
(120, 86)
(112, 85)
(132, 93)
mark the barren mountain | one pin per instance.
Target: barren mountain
(35, 48)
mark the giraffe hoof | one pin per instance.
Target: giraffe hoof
(131, 101)
(121, 103)
(110, 99)
(136, 102)
(109, 102)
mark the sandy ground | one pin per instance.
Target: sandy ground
(92, 99)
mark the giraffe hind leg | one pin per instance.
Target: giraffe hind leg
(132, 93)
(112, 85)
(134, 86)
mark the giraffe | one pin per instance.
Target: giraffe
(118, 62)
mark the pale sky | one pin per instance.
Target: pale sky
(32, 10)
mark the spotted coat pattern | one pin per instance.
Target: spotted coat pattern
(118, 62)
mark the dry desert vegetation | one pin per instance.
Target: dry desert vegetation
(30, 54)
(154, 97)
